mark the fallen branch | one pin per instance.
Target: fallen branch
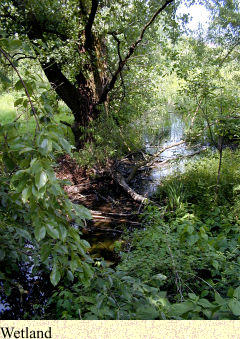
(179, 157)
(134, 195)
(149, 161)
(127, 215)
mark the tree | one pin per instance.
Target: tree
(80, 48)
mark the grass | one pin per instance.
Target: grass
(7, 110)
(8, 113)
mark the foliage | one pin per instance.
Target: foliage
(34, 210)
(194, 243)
(111, 295)
(184, 263)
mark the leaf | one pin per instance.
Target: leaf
(15, 43)
(85, 244)
(62, 232)
(88, 272)
(18, 85)
(192, 296)
(219, 300)
(26, 194)
(70, 275)
(18, 102)
(9, 162)
(236, 293)
(55, 276)
(45, 251)
(73, 265)
(26, 149)
(146, 312)
(82, 212)
(160, 277)
(183, 307)
(5, 79)
(41, 179)
(65, 145)
(53, 232)
(46, 146)
(40, 232)
(23, 233)
(234, 306)
(204, 303)
(215, 264)
(112, 301)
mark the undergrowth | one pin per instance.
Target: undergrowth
(184, 264)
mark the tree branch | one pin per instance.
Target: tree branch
(131, 50)
(5, 54)
(88, 27)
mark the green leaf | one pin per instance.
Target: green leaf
(55, 276)
(41, 179)
(85, 244)
(18, 85)
(73, 265)
(26, 149)
(215, 264)
(146, 312)
(45, 251)
(26, 194)
(5, 79)
(234, 306)
(23, 233)
(236, 293)
(183, 307)
(62, 232)
(112, 301)
(65, 145)
(18, 102)
(160, 277)
(88, 272)
(40, 232)
(82, 212)
(70, 275)
(230, 292)
(53, 232)
(219, 300)
(204, 303)
(15, 43)
(192, 296)
(46, 146)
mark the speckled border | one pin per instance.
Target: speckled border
(109, 329)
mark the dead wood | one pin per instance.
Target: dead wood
(150, 160)
(134, 195)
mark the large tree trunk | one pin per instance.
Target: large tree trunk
(93, 82)
(81, 100)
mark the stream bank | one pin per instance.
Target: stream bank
(114, 210)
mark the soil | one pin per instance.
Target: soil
(94, 188)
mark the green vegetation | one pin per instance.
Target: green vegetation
(94, 81)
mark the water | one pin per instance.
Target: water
(102, 242)
(161, 170)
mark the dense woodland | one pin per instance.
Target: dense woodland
(88, 92)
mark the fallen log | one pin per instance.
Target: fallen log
(134, 195)
(127, 215)
(179, 157)
(150, 160)
(100, 218)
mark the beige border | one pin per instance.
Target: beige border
(108, 329)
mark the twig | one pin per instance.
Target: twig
(5, 54)
(131, 50)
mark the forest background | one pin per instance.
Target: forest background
(92, 79)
